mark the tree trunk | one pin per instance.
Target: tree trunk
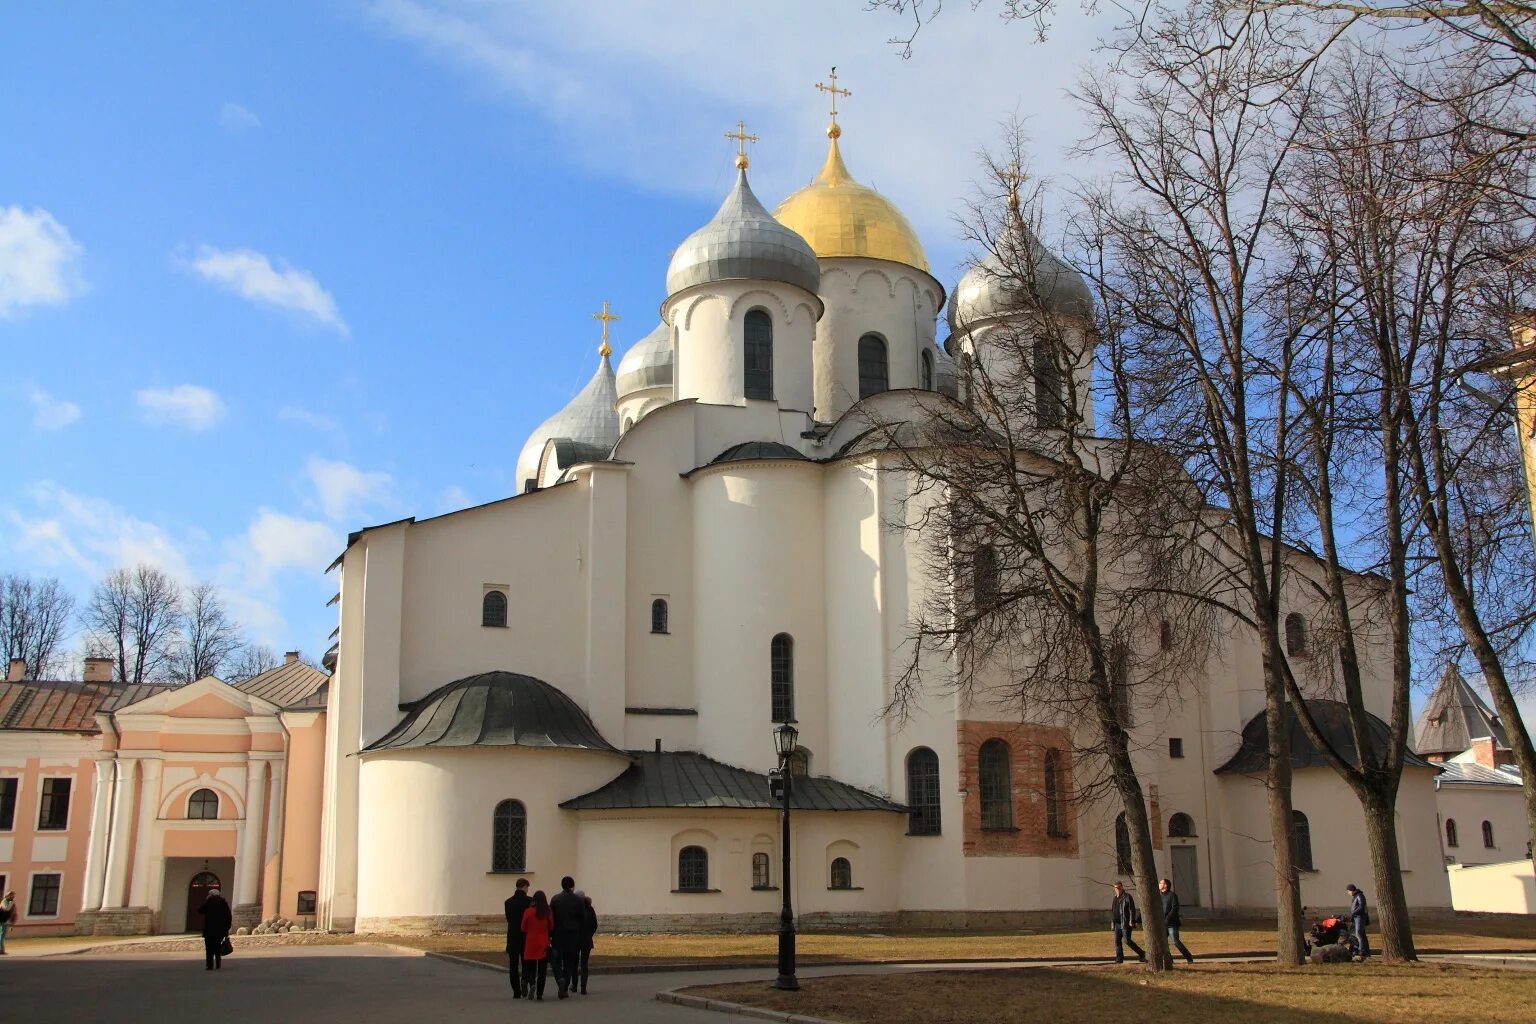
(1391, 916)
(1289, 949)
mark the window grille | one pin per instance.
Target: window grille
(781, 657)
(994, 772)
(659, 616)
(1053, 794)
(874, 375)
(693, 868)
(509, 839)
(923, 817)
(761, 879)
(842, 873)
(757, 355)
(493, 609)
(1181, 826)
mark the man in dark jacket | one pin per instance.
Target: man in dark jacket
(1171, 917)
(1123, 918)
(515, 904)
(565, 934)
(1358, 919)
(588, 939)
(217, 918)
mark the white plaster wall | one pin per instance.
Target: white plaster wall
(995, 345)
(1470, 806)
(708, 320)
(866, 296)
(1506, 888)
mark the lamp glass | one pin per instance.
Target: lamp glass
(785, 738)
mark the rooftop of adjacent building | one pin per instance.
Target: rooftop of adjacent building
(1455, 717)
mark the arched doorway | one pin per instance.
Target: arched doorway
(197, 892)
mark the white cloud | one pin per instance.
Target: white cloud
(453, 499)
(236, 119)
(252, 276)
(277, 541)
(308, 418)
(343, 489)
(186, 405)
(38, 261)
(92, 534)
(49, 413)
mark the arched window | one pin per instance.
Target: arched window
(1488, 834)
(927, 371)
(1181, 826)
(509, 836)
(493, 608)
(923, 817)
(1050, 404)
(781, 659)
(1122, 846)
(874, 376)
(1301, 841)
(1450, 832)
(659, 615)
(1296, 635)
(760, 877)
(203, 805)
(995, 775)
(984, 577)
(757, 355)
(842, 873)
(693, 869)
(1053, 794)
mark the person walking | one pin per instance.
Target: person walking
(1171, 917)
(536, 925)
(217, 919)
(1123, 918)
(1359, 917)
(515, 904)
(7, 916)
(588, 935)
(565, 935)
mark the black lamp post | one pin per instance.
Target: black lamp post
(785, 741)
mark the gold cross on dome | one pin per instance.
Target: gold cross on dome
(834, 91)
(607, 318)
(742, 138)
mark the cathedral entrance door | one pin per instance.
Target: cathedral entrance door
(1186, 874)
(197, 892)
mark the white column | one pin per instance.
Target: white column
(274, 837)
(96, 848)
(145, 842)
(248, 861)
(118, 853)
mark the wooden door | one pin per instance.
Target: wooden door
(1186, 874)
(197, 893)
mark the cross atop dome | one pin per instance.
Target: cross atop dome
(607, 318)
(833, 131)
(742, 138)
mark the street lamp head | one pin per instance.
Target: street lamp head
(785, 739)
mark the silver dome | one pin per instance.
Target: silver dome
(648, 363)
(743, 242)
(589, 418)
(995, 286)
(946, 375)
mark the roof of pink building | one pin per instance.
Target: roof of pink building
(56, 705)
(288, 685)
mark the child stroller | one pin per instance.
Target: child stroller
(1332, 931)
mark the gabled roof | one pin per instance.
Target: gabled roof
(286, 685)
(57, 705)
(684, 779)
(1454, 716)
(1332, 718)
(1471, 774)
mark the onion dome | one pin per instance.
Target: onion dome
(840, 217)
(648, 363)
(743, 242)
(997, 285)
(495, 709)
(589, 418)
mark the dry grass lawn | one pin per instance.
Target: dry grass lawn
(1205, 994)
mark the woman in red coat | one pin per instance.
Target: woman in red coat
(537, 921)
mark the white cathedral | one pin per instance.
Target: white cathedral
(585, 678)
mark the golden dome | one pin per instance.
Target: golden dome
(840, 217)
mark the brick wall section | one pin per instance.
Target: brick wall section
(1027, 745)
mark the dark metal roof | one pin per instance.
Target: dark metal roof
(681, 779)
(569, 453)
(56, 705)
(495, 709)
(1332, 718)
(288, 684)
(1454, 716)
(758, 450)
(1461, 772)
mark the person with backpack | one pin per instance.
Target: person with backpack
(1124, 918)
(7, 916)
(537, 922)
(1359, 918)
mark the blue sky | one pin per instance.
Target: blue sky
(272, 272)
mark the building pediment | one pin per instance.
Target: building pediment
(208, 698)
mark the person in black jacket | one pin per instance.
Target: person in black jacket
(565, 936)
(1171, 917)
(588, 935)
(515, 904)
(1123, 918)
(217, 918)
(1358, 919)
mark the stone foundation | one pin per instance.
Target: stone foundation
(247, 915)
(115, 921)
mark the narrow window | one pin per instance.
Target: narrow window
(873, 375)
(757, 355)
(1122, 846)
(1296, 635)
(781, 658)
(1181, 826)
(995, 774)
(7, 804)
(1488, 834)
(493, 609)
(45, 896)
(306, 902)
(693, 869)
(1120, 684)
(1175, 747)
(509, 837)
(927, 371)
(984, 577)
(1050, 406)
(659, 615)
(842, 873)
(1450, 832)
(1165, 635)
(203, 805)
(923, 793)
(53, 812)
(1053, 794)
(1301, 841)
(760, 877)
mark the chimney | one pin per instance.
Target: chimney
(98, 670)
(16, 671)
(290, 657)
(1482, 752)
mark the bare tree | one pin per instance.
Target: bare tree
(916, 14)
(209, 639)
(134, 617)
(251, 660)
(35, 614)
